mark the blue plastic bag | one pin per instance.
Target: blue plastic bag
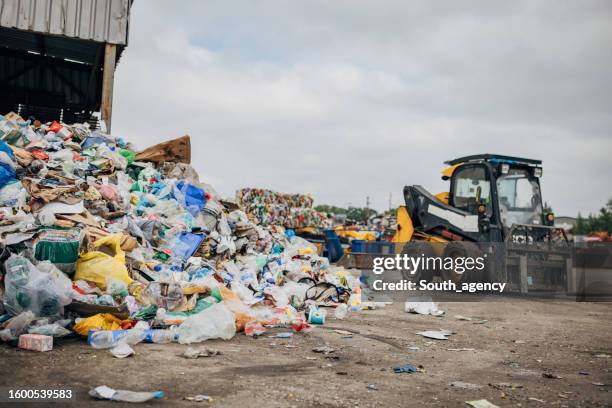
(192, 198)
(5, 148)
(7, 174)
(185, 244)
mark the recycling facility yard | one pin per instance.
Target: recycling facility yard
(520, 341)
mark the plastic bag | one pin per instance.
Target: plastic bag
(7, 174)
(97, 266)
(16, 326)
(185, 244)
(52, 329)
(60, 246)
(215, 322)
(192, 198)
(100, 321)
(27, 288)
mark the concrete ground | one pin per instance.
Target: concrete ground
(520, 340)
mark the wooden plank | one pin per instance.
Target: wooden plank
(108, 78)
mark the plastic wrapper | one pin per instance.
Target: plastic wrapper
(215, 322)
(27, 288)
(98, 266)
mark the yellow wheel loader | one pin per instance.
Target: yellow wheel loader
(493, 209)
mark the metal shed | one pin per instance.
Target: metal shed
(58, 57)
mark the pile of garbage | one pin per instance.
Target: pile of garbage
(122, 246)
(273, 208)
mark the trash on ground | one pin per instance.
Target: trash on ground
(191, 352)
(505, 385)
(422, 305)
(35, 342)
(465, 385)
(102, 236)
(461, 349)
(200, 398)
(406, 368)
(324, 349)
(436, 334)
(107, 393)
(551, 375)
(483, 403)
(122, 350)
(536, 400)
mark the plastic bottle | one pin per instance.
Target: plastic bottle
(103, 339)
(161, 336)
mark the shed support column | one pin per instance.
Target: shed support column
(108, 78)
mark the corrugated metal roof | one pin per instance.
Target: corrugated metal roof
(96, 20)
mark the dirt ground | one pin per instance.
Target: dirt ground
(520, 341)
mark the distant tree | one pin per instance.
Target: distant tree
(595, 223)
(330, 209)
(360, 214)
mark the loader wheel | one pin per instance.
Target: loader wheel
(418, 249)
(460, 274)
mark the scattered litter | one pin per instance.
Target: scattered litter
(520, 342)
(461, 349)
(414, 348)
(598, 384)
(474, 320)
(506, 385)
(107, 393)
(372, 387)
(200, 398)
(196, 353)
(465, 385)
(284, 335)
(483, 403)
(602, 355)
(536, 399)
(407, 368)
(324, 349)
(345, 332)
(342, 372)
(584, 373)
(122, 350)
(551, 375)
(436, 334)
(36, 342)
(422, 305)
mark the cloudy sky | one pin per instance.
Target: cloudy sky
(348, 99)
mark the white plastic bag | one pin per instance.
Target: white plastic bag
(27, 288)
(216, 322)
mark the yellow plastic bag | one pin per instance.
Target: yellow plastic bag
(101, 321)
(107, 261)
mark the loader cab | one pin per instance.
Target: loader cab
(502, 190)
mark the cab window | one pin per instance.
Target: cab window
(471, 187)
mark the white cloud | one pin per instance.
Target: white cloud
(350, 99)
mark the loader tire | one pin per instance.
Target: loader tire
(417, 249)
(458, 274)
